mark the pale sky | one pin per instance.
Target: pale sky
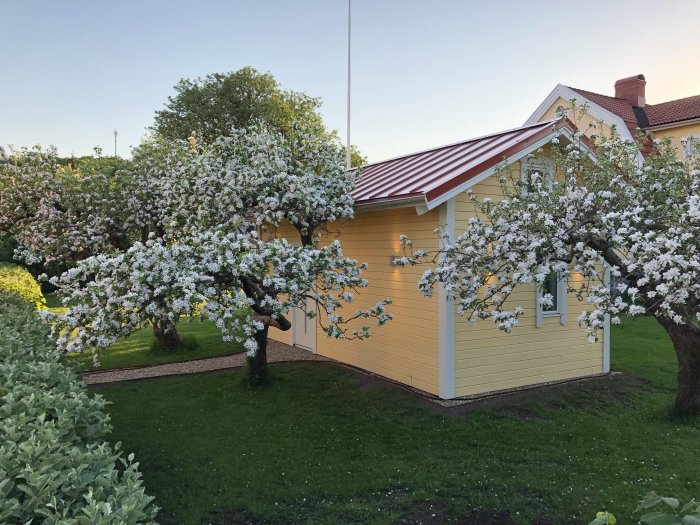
(425, 73)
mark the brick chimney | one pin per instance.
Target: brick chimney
(632, 89)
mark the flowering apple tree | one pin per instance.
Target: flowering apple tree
(599, 213)
(212, 249)
(57, 214)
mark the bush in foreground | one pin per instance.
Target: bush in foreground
(17, 281)
(55, 466)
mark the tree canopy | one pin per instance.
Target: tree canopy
(211, 107)
(600, 210)
(197, 236)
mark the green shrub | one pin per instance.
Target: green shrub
(17, 281)
(188, 343)
(55, 466)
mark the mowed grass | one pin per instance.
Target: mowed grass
(325, 444)
(135, 350)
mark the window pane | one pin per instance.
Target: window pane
(550, 286)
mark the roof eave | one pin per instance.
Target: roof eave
(674, 124)
(397, 202)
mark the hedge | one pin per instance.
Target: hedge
(15, 280)
(55, 467)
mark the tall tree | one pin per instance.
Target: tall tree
(211, 107)
(641, 222)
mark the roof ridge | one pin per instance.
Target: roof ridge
(459, 142)
(674, 100)
(581, 91)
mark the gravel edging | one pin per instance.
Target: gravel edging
(276, 352)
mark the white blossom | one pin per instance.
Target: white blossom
(640, 222)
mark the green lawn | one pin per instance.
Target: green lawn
(323, 444)
(135, 350)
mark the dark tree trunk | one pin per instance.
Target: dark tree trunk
(686, 343)
(306, 234)
(166, 333)
(257, 365)
(307, 239)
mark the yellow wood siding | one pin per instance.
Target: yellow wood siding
(487, 359)
(677, 134)
(586, 123)
(406, 348)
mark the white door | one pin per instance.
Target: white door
(303, 328)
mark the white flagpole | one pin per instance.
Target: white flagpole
(349, 77)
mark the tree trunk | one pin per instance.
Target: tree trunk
(166, 333)
(257, 365)
(686, 343)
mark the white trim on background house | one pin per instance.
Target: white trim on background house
(446, 317)
(566, 93)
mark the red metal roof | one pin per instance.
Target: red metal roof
(433, 173)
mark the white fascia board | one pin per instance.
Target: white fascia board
(561, 91)
(446, 317)
(422, 208)
(563, 132)
(395, 203)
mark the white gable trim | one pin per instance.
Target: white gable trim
(446, 319)
(485, 174)
(561, 91)
(565, 132)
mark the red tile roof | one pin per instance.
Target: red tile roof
(651, 114)
(433, 173)
(673, 111)
(619, 106)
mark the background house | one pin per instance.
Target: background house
(428, 346)
(628, 111)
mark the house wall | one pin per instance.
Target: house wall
(406, 348)
(487, 359)
(678, 133)
(586, 123)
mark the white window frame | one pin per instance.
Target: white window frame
(561, 309)
(545, 166)
(688, 148)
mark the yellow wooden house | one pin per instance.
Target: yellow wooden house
(628, 111)
(427, 345)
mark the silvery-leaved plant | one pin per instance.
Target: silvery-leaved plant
(56, 465)
(599, 211)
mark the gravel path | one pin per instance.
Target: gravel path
(276, 352)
